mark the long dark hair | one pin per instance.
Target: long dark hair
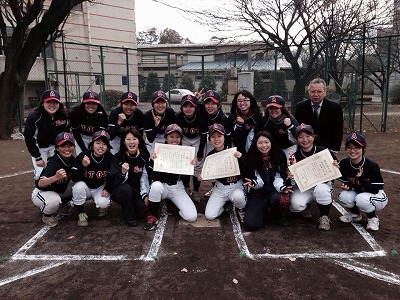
(142, 144)
(254, 160)
(253, 102)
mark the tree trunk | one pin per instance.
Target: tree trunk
(11, 91)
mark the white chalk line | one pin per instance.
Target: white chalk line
(30, 273)
(390, 171)
(237, 232)
(15, 174)
(70, 257)
(325, 255)
(158, 236)
(370, 271)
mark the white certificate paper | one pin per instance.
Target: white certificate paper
(314, 170)
(174, 159)
(221, 164)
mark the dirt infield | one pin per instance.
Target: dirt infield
(207, 260)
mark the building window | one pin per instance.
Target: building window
(97, 79)
(124, 80)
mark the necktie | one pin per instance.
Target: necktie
(316, 111)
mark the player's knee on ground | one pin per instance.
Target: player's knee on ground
(102, 202)
(238, 198)
(156, 190)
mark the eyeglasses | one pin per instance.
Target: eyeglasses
(353, 148)
(243, 101)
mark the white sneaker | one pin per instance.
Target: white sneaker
(349, 217)
(373, 224)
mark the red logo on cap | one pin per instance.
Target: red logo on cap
(103, 133)
(66, 136)
(52, 94)
(211, 93)
(303, 126)
(354, 136)
(130, 95)
(91, 94)
(159, 94)
(188, 97)
(273, 99)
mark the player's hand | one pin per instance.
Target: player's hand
(239, 120)
(146, 200)
(41, 163)
(85, 161)
(287, 122)
(248, 182)
(157, 119)
(121, 118)
(61, 174)
(360, 171)
(193, 162)
(199, 94)
(287, 189)
(125, 168)
(336, 164)
(345, 187)
(153, 155)
(104, 193)
(237, 154)
(199, 178)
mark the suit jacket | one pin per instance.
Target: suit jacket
(329, 126)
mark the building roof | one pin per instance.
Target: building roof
(242, 64)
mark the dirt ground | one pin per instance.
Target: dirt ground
(200, 261)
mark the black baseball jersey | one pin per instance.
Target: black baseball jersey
(86, 124)
(41, 130)
(96, 173)
(241, 131)
(135, 120)
(300, 154)
(54, 164)
(192, 128)
(151, 130)
(231, 179)
(137, 165)
(220, 118)
(279, 130)
(370, 181)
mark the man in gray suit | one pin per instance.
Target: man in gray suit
(324, 115)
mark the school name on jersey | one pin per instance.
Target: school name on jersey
(85, 128)
(95, 174)
(126, 128)
(195, 131)
(60, 122)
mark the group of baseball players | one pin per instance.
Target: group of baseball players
(86, 154)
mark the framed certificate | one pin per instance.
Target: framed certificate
(174, 159)
(221, 164)
(314, 170)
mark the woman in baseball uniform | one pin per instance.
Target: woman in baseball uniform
(281, 124)
(124, 117)
(194, 134)
(157, 119)
(362, 184)
(266, 178)
(321, 193)
(169, 186)
(54, 185)
(86, 119)
(227, 188)
(245, 119)
(90, 172)
(129, 176)
(41, 128)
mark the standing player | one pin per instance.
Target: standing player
(123, 118)
(194, 134)
(86, 119)
(169, 186)
(227, 188)
(41, 128)
(321, 193)
(54, 185)
(362, 184)
(157, 119)
(90, 172)
(245, 119)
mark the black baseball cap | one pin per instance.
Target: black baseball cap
(129, 96)
(159, 95)
(304, 127)
(216, 127)
(64, 137)
(189, 98)
(213, 95)
(172, 128)
(276, 101)
(90, 96)
(50, 95)
(357, 139)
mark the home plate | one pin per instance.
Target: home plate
(202, 222)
